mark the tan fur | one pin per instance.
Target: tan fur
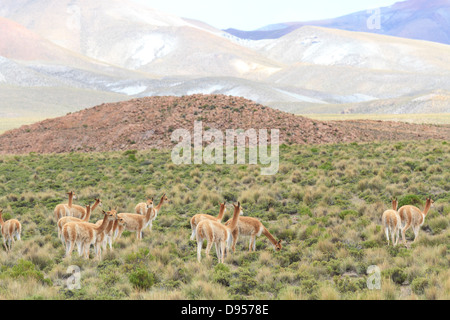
(156, 209)
(80, 212)
(411, 216)
(66, 219)
(83, 234)
(141, 208)
(107, 236)
(134, 222)
(62, 210)
(252, 227)
(391, 223)
(10, 229)
(200, 217)
(217, 233)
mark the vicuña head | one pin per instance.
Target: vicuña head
(149, 203)
(72, 195)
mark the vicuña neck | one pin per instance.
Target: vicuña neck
(160, 203)
(221, 213)
(1, 219)
(110, 226)
(97, 202)
(269, 236)
(427, 208)
(88, 213)
(104, 224)
(148, 214)
(234, 221)
(70, 200)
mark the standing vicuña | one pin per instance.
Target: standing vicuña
(412, 217)
(248, 226)
(155, 210)
(217, 233)
(135, 222)
(106, 235)
(200, 217)
(391, 223)
(62, 209)
(10, 229)
(66, 219)
(83, 234)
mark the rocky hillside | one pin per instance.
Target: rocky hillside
(148, 123)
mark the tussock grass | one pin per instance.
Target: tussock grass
(325, 204)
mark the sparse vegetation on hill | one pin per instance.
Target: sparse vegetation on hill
(149, 122)
(325, 204)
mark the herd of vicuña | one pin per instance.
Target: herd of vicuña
(74, 228)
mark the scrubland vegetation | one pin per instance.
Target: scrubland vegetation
(325, 204)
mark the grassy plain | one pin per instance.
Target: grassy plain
(325, 204)
(429, 118)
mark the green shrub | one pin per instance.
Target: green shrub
(418, 285)
(141, 279)
(345, 213)
(411, 199)
(347, 284)
(141, 255)
(26, 269)
(396, 274)
(222, 274)
(244, 283)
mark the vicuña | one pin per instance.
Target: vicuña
(252, 227)
(391, 223)
(10, 229)
(200, 217)
(411, 216)
(217, 233)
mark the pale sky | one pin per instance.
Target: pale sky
(254, 14)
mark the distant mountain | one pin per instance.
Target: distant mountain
(414, 19)
(125, 34)
(59, 56)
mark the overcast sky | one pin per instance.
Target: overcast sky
(253, 14)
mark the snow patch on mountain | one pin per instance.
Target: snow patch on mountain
(300, 97)
(149, 48)
(132, 90)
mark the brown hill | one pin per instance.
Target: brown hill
(148, 122)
